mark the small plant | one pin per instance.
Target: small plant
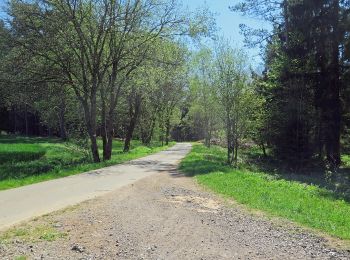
(32, 234)
(22, 257)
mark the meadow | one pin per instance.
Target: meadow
(27, 160)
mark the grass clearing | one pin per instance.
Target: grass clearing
(32, 234)
(303, 203)
(26, 161)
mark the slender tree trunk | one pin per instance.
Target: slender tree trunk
(167, 131)
(93, 137)
(228, 136)
(107, 126)
(333, 104)
(94, 149)
(149, 134)
(110, 133)
(90, 120)
(129, 134)
(109, 146)
(104, 128)
(236, 151)
(262, 145)
(134, 111)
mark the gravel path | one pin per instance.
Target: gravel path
(167, 216)
(38, 199)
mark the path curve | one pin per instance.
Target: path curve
(34, 200)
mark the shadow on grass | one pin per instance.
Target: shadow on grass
(334, 185)
(205, 161)
(12, 139)
(200, 167)
(202, 160)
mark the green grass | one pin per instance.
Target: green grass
(29, 233)
(25, 161)
(22, 257)
(309, 205)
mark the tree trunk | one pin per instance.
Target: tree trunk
(262, 145)
(236, 152)
(167, 131)
(209, 136)
(104, 129)
(130, 130)
(134, 111)
(129, 134)
(147, 135)
(334, 105)
(90, 121)
(94, 149)
(107, 154)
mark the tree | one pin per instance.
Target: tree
(96, 45)
(235, 95)
(303, 63)
(164, 79)
(204, 103)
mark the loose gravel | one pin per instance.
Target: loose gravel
(168, 216)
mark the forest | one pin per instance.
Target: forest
(147, 99)
(97, 72)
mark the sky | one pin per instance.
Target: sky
(227, 21)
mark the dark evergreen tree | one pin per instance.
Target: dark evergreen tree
(304, 60)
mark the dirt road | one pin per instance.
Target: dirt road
(167, 216)
(35, 200)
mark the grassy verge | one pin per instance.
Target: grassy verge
(32, 234)
(26, 161)
(303, 203)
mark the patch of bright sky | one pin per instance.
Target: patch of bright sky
(228, 22)
(2, 8)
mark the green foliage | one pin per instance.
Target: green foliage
(204, 110)
(304, 80)
(236, 96)
(309, 205)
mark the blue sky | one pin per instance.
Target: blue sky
(2, 4)
(229, 22)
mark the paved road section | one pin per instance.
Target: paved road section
(30, 201)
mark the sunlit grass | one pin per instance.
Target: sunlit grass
(306, 204)
(31, 160)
